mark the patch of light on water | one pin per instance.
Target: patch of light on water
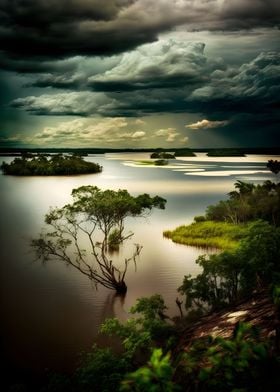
(189, 170)
(250, 158)
(225, 173)
(242, 167)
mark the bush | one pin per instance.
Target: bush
(101, 371)
(241, 363)
(200, 218)
(228, 276)
(156, 376)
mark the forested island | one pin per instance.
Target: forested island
(226, 222)
(162, 155)
(55, 165)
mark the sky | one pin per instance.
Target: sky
(139, 73)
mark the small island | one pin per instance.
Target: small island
(56, 165)
(162, 155)
(225, 152)
(208, 234)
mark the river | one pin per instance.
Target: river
(51, 313)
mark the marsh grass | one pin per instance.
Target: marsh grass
(209, 234)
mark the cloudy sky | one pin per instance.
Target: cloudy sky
(139, 73)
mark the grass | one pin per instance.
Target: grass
(144, 163)
(152, 163)
(208, 234)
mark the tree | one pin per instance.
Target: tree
(273, 166)
(92, 217)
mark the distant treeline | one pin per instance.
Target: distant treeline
(53, 166)
(225, 152)
(85, 151)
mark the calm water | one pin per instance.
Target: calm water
(51, 313)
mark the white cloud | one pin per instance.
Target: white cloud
(140, 122)
(171, 137)
(85, 132)
(169, 133)
(138, 135)
(206, 124)
(165, 132)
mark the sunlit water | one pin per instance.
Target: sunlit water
(51, 313)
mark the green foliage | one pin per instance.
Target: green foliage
(156, 376)
(114, 239)
(147, 329)
(259, 252)
(241, 363)
(248, 202)
(203, 233)
(227, 276)
(101, 371)
(217, 285)
(199, 218)
(162, 155)
(56, 165)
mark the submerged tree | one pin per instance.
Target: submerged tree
(90, 221)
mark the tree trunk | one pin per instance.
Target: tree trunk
(121, 288)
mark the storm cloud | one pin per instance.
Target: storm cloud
(70, 67)
(36, 30)
(250, 87)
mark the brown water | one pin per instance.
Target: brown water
(51, 313)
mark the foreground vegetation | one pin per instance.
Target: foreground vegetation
(49, 166)
(152, 356)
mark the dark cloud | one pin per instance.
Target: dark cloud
(250, 88)
(164, 64)
(240, 14)
(65, 104)
(40, 30)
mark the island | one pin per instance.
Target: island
(56, 165)
(185, 153)
(225, 152)
(162, 155)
